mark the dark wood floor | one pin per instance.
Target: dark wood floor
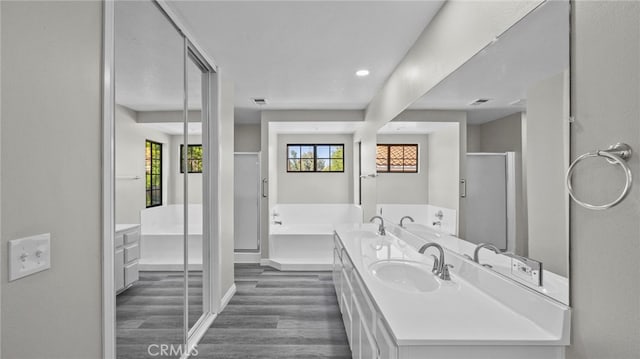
(151, 312)
(273, 315)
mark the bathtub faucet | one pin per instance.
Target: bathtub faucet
(381, 230)
(403, 218)
(476, 252)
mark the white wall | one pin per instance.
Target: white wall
(51, 176)
(546, 160)
(315, 187)
(605, 290)
(130, 161)
(444, 170)
(405, 188)
(247, 138)
(501, 135)
(176, 178)
(473, 138)
(168, 116)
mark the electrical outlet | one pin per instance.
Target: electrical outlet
(29, 255)
(527, 269)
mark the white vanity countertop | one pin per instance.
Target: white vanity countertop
(125, 227)
(455, 314)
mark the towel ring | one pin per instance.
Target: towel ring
(615, 154)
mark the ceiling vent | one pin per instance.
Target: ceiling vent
(259, 101)
(479, 101)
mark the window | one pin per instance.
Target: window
(315, 158)
(397, 158)
(153, 173)
(194, 159)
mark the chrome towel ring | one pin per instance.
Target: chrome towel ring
(615, 154)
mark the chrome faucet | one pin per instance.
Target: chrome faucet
(476, 252)
(381, 230)
(403, 218)
(439, 267)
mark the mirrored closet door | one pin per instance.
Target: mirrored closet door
(162, 103)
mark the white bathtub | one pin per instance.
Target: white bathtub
(304, 240)
(162, 238)
(422, 213)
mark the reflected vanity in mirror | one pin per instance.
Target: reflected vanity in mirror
(478, 162)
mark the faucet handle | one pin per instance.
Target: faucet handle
(445, 272)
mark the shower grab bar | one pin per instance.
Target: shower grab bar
(615, 154)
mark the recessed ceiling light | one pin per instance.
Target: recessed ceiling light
(362, 73)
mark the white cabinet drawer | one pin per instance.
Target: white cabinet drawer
(347, 291)
(131, 253)
(346, 319)
(131, 237)
(356, 333)
(336, 244)
(368, 348)
(337, 276)
(119, 269)
(388, 349)
(362, 297)
(130, 273)
(119, 240)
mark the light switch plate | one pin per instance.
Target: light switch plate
(29, 255)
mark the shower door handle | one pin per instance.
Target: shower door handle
(265, 190)
(463, 188)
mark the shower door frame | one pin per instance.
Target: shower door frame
(211, 184)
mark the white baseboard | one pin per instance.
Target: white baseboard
(227, 297)
(293, 266)
(198, 331)
(243, 257)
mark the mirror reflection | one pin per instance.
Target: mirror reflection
(477, 164)
(159, 255)
(149, 90)
(193, 166)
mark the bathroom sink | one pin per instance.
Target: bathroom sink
(405, 275)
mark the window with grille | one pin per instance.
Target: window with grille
(315, 158)
(194, 158)
(153, 173)
(396, 158)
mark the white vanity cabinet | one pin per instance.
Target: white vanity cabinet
(127, 254)
(457, 320)
(361, 321)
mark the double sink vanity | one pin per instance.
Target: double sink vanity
(394, 306)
